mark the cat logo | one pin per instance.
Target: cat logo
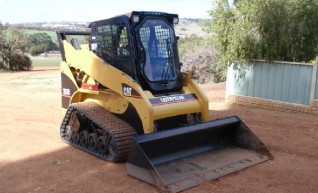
(127, 91)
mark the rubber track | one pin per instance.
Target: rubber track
(121, 132)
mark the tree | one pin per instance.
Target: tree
(265, 29)
(39, 43)
(304, 14)
(12, 46)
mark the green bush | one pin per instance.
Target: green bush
(37, 49)
(18, 61)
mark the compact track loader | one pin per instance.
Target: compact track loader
(125, 98)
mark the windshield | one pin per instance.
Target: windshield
(156, 37)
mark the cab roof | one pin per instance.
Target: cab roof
(128, 16)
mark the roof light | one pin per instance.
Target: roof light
(135, 18)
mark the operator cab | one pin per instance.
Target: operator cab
(144, 46)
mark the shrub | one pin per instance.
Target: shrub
(18, 61)
(37, 49)
(198, 52)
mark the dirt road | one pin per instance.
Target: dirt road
(34, 159)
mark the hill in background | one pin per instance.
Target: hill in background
(186, 27)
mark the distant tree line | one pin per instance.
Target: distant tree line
(50, 26)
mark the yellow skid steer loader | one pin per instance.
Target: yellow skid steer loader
(125, 99)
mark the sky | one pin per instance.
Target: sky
(22, 11)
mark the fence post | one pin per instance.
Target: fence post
(313, 82)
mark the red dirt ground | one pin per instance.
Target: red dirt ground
(34, 159)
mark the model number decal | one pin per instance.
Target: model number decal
(66, 91)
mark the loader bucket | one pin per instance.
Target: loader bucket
(182, 158)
